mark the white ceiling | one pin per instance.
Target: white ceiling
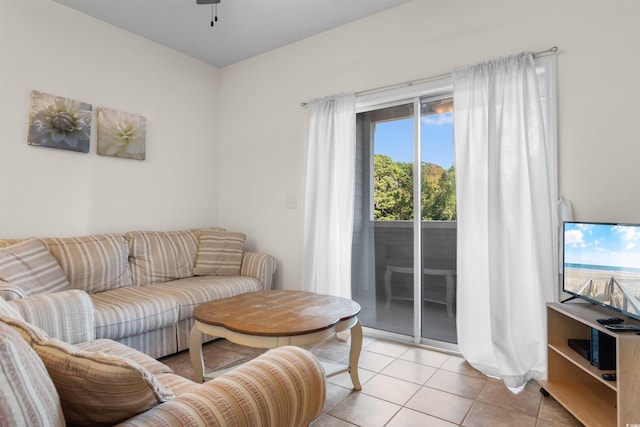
(245, 28)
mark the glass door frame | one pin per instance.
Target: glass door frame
(417, 223)
(407, 94)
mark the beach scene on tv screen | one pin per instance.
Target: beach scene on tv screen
(602, 263)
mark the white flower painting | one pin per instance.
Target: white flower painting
(121, 134)
(58, 122)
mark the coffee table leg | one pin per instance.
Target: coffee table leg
(195, 351)
(354, 354)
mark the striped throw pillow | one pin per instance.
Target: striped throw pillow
(160, 256)
(96, 388)
(93, 263)
(28, 397)
(219, 253)
(30, 266)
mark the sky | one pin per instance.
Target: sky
(602, 244)
(395, 139)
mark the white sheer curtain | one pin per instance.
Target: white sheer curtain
(505, 219)
(329, 196)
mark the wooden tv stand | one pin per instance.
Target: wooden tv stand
(576, 384)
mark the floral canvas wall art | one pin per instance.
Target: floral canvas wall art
(58, 122)
(121, 134)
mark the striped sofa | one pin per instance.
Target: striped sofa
(143, 285)
(62, 375)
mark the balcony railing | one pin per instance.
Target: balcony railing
(390, 305)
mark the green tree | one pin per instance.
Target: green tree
(431, 189)
(393, 191)
(448, 195)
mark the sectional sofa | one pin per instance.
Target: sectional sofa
(143, 284)
(83, 319)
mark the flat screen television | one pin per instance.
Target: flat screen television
(601, 264)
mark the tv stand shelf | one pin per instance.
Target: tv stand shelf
(576, 384)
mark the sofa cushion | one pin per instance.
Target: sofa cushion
(160, 256)
(66, 315)
(30, 334)
(176, 384)
(219, 253)
(8, 242)
(113, 347)
(93, 263)
(96, 388)
(29, 265)
(131, 311)
(8, 310)
(9, 292)
(28, 397)
(190, 292)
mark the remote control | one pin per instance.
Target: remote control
(609, 377)
(623, 328)
(610, 321)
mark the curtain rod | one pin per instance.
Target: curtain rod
(551, 50)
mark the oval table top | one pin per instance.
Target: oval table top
(277, 312)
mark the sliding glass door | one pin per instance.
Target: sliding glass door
(404, 253)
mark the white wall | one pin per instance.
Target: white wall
(263, 127)
(50, 192)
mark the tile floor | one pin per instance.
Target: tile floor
(404, 385)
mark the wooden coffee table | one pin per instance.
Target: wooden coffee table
(270, 319)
